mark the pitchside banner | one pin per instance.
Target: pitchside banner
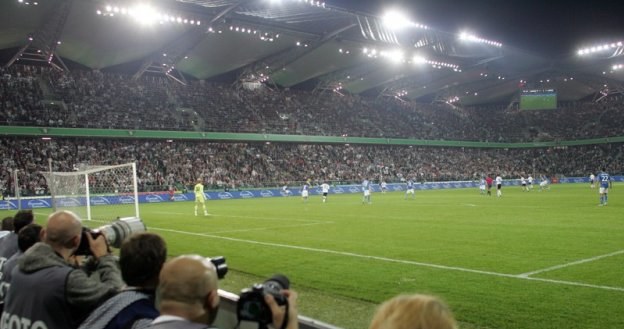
(158, 197)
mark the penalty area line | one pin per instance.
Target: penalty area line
(392, 260)
(580, 261)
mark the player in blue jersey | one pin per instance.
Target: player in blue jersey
(305, 192)
(409, 189)
(604, 179)
(366, 190)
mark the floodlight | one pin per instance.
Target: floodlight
(396, 20)
(466, 36)
(599, 48)
(144, 14)
(395, 56)
(419, 59)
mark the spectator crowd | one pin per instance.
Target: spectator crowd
(161, 164)
(40, 96)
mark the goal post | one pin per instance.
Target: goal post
(96, 192)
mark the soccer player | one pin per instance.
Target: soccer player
(592, 181)
(409, 189)
(530, 180)
(200, 197)
(366, 189)
(325, 190)
(384, 186)
(305, 192)
(524, 184)
(285, 190)
(499, 186)
(543, 185)
(604, 179)
(482, 186)
(489, 181)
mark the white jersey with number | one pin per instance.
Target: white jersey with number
(325, 188)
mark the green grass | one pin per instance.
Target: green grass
(345, 257)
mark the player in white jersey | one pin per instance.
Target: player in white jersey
(200, 198)
(544, 184)
(499, 186)
(523, 183)
(325, 190)
(592, 181)
(384, 186)
(530, 181)
(482, 186)
(286, 191)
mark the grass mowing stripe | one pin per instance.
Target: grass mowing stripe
(401, 261)
(581, 261)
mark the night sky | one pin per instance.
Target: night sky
(552, 28)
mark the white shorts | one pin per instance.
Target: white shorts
(366, 192)
(410, 191)
(603, 190)
(304, 194)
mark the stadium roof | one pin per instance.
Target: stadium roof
(293, 43)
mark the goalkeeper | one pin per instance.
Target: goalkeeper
(200, 197)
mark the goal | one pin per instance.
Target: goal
(96, 192)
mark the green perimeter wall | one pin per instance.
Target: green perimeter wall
(235, 137)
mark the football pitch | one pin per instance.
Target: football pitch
(550, 259)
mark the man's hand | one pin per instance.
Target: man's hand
(279, 312)
(98, 246)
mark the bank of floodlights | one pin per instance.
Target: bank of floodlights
(401, 93)
(465, 36)
(146, 15)
(395, 20)
(617, 67)
(452, 100)
(599, 48)
(398, 56)
(319, 4)
(417, 59)
(28, 3)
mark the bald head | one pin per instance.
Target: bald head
(188, 288)
(62, 229)
(187, 279)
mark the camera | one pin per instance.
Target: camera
(220, 266)
(251, 305)
(115, 233)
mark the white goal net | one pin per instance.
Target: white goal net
(96, 192)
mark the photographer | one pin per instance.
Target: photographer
(141, 257)
(8, 244)
(47, 292)
(187, 296)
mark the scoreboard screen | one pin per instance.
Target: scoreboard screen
(538, 100)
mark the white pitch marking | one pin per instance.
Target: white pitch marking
(581, 261)
(470, 204)
(400, 261)
(268, 228)
(253, 217)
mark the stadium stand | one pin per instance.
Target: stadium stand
(162, 164)
(40, 96)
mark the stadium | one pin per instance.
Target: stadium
(118, 108)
